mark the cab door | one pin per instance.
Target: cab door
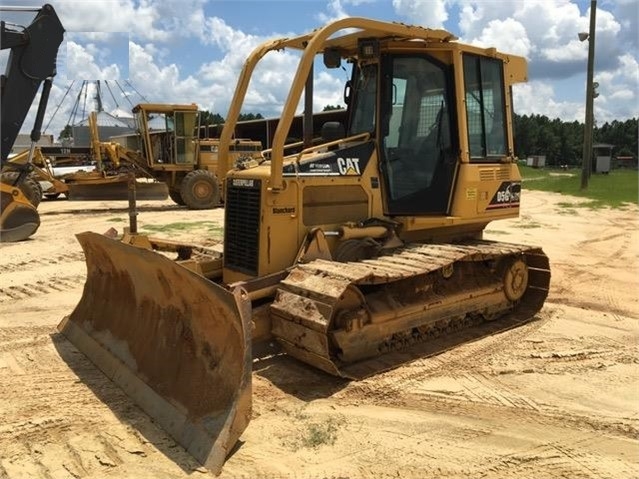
(418, 157)
(185, 144)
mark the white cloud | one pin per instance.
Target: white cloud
(538, 98)
(507, 35)
(427, 13)
(80, 64)
(141, 18)
(618, 91)
(164, 83)
(336, 12)
(328, 90)
(572, 51)
(550, 28)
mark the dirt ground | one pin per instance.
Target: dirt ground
(558, 397)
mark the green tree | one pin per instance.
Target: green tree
(66, 133)
(562, 142)
(208, 118)
(250, 116)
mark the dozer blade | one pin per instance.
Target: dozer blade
(19, 219)
(110, 191)
(176, 343)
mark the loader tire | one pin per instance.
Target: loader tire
(176, 197)
(30, 187)
(200, 190)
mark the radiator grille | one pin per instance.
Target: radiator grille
(486, 174)
(503, 173)
(490, 174)
(242, 226)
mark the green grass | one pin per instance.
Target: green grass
(614, 189)
(319, 434)
(309, 434)
(528, 225)
(184, 226)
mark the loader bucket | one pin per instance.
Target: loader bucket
(176, 343)
(19, 219)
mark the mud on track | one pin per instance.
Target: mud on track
(557, 397)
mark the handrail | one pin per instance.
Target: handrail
(360, 136)
(311, 44)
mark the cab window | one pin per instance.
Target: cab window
(485, 108)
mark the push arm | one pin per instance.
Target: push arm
(32, 61)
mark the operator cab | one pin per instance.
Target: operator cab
(168, 136)
(418, 155)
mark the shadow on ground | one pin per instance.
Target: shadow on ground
(124, 408)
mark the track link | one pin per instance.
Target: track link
(357, 319)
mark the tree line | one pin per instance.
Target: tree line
(562, 142)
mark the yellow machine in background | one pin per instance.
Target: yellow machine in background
(171, 152)
(165, 155)
(355, 254)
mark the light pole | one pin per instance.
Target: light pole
(587, 153)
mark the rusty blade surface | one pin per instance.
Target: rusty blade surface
(176, 343)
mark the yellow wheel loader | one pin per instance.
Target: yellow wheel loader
(354, 254)
(32, 62)
(165, 155)
(170, 151)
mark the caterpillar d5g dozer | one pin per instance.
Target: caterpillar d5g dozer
(355, 253)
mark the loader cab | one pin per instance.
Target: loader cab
(169, 136)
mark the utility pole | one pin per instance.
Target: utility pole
(587, 153)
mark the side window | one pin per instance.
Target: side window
(185, 127)
(485, 108)
(365, 84)
(398, 95)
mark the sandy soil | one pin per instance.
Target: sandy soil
(558, 397)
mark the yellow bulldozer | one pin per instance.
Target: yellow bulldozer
(354, 254)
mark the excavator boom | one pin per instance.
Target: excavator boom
(32, 62)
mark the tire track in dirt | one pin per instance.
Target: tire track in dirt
(606, 294)
(43, 286)
(543, 417)
(474, 390)
(492, 391)
(562, 459)
(36, 263)
(18, 337)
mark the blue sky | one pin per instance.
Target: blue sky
(192, 50)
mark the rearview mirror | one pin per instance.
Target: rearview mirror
(332, 58)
